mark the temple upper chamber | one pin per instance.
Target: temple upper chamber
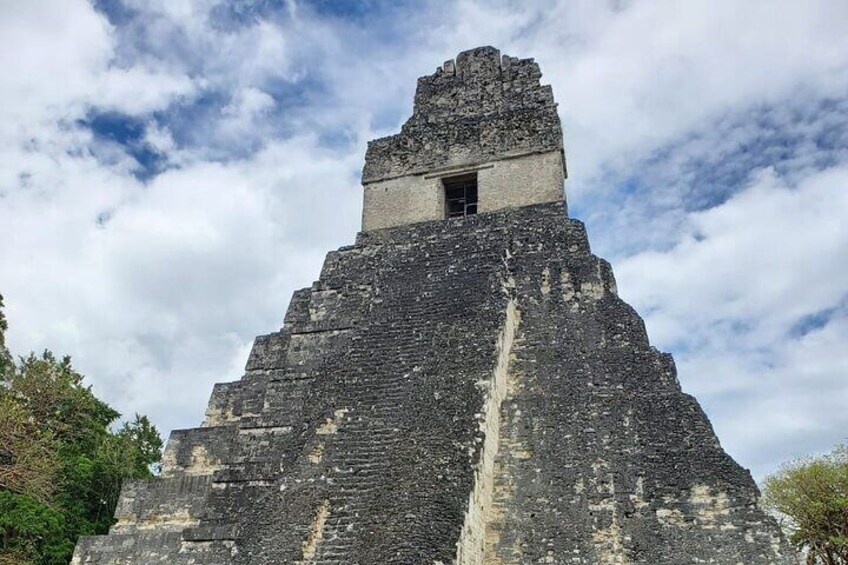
(484, 135)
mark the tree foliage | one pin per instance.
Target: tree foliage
(811, 498)
(61, 463)
(5, 357)
(28, 454)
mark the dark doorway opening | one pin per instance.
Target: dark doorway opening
(461, 195)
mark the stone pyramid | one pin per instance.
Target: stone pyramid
(460, 386)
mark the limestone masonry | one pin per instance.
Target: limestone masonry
(460, 386)
(483, 114)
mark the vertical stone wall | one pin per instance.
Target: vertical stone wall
(507, 183)
(401, 201)
(522, 181)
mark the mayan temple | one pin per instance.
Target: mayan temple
(462, 385)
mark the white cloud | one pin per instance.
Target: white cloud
(57, 61)
(138, 90)
(730, 297)
(771, 254)
(49, 55)
(155, 301)
(654, 70)
(245, 114)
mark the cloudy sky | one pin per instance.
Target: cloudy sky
(171, 170)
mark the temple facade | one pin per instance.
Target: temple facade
(462, 385)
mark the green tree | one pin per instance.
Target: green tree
(28, 454)
(5, 357)
(142, 440)
(810, 497)
(61, 463)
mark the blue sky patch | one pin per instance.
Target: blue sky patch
(812, 322)
(234, 14)
(115, 11)
(116, 127)
(292, 94)
(127, 132)
(708, 166)
(190, 121)
(359, 10)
